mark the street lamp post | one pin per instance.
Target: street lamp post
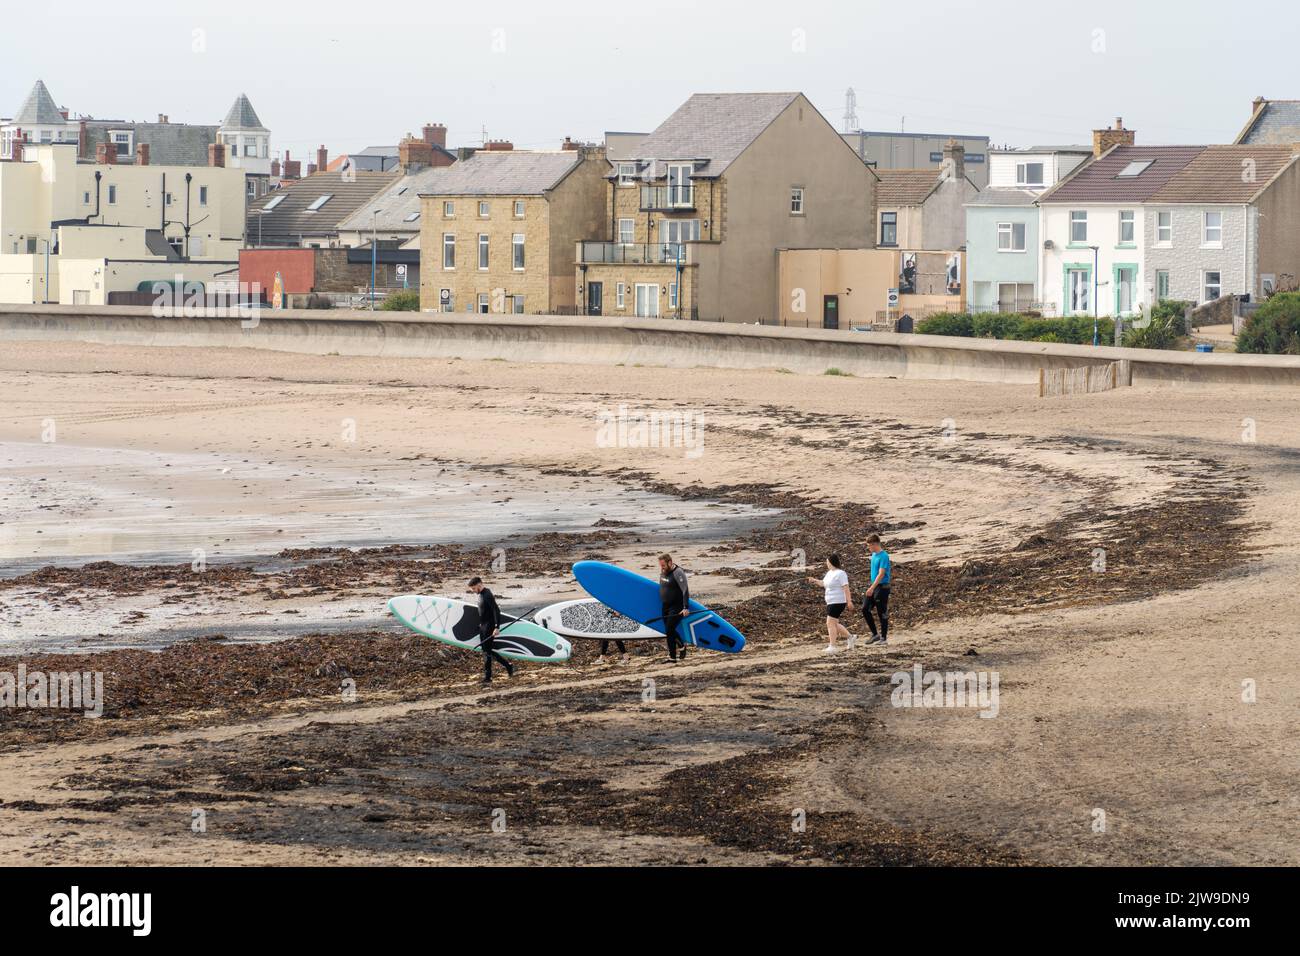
(374, 253)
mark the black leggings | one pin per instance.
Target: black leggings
(604, 646)
(485, 645)
(879, 599)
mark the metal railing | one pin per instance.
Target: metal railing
(653, 253)
(654, 198)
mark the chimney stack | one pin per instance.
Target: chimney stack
(322, 158)
(568, 144)
(1256, 103)
(142, 154)
(954, 158)
(275, 167)
(1105, 139)
(498, 146)
(414, 153)
(162, 119)
(83, 141)
(435, 134)
(292, 167)
(217, 154)
(105, 154)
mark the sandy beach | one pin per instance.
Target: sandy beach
(217, 531)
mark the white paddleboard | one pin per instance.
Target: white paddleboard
(456, 623)
(588, 619)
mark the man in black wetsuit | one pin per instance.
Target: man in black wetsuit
(675, 597)
(489, 622)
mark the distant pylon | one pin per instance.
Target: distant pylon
(850, 111)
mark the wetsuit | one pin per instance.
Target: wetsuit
(489, 619)
(674, 596)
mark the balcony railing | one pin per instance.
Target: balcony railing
(655, 253)
(658, 198)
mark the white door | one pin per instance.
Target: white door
(647, 299)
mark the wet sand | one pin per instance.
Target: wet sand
(337, 737)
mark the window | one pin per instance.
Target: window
(519, 209)
(627, 174)
(1135, 169)
(1162, 285)
(1127, 218)
(518, 303)
(203, 195)
(250, 189)
(448, 210)
(85, 199)
(1165, 228)
(122, 140)
(620, 294)
(1125, 284)
(167, 199)
(112, 195)
(1213, 235)
(319, 202)
(1211, 286)
(483, 303)
(1011, 237)
(674, 232)
(889, 228)
(517, 251)
(1029, 174)
(411, 217)
(1079, 289)
(627, 231)
(273, 203)
(177, 244)
(796, 200)
(482, 210)
(250, 149)
(482, 251)
(672, 295)
(448, 250)
(680, 190)
(1078, 225)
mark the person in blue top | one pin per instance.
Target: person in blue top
(878, 591)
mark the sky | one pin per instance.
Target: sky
(348, 74)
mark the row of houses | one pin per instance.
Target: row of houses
(744, 207)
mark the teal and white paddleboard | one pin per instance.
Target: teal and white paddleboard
(456, 623)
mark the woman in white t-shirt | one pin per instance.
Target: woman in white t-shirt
(838, 598)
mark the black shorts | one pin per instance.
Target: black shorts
(835, 610)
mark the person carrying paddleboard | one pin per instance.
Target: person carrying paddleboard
(489, 623)
(675, 597)
(838, 597)
(882, 573)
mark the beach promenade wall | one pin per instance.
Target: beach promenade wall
(610, 341)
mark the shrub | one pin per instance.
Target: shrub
(1274, 329)
(407, 300)
(946, 323)
(1162, 333)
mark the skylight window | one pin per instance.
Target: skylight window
(273, 203)
(1135, 169)
(321, 201)
(412, 217)
(401, 190)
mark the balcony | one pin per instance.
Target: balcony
(625, 253)
(667, 198)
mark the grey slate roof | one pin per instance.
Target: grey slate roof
(290, 221)
(170, 144)
(395, 203)
(242, 115)
(714, 128)
(1275, 122)
(1098, 181)
(504, 173)
(39, 109)
(1003, 197)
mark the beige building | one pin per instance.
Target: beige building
(920, 209)
(868, 288)
(76, 232)
(692, 227)
(498, 230)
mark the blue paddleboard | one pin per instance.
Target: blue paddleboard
(638, 598)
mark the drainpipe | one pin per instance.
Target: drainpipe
(188, 179)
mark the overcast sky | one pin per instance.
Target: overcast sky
(351, 74)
